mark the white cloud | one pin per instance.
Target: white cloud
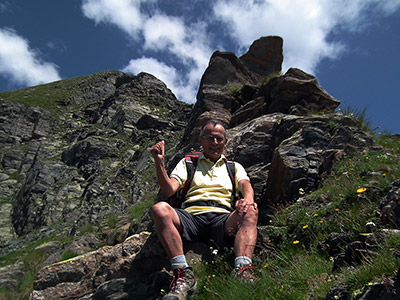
(161, 32)
(123, 13)
(303, 24)
(165, 73)
(166, 35)
(168, 74)
(389, 6)
(22, 64)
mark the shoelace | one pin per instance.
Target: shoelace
(242, 271)
(178, 278)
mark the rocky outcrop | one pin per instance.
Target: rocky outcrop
(264, 56)
(79, 166)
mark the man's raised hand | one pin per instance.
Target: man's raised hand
(158, 150)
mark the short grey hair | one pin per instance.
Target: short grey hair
(214, 122)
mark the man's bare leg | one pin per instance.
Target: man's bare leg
(168, 228)
(244, 228)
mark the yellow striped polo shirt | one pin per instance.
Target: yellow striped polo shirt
(210, 182)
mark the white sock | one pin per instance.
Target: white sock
(242, 261)
(178, 262)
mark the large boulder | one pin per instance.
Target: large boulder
(297, 93)
(298, 151)
(265, 56)
(225, 76)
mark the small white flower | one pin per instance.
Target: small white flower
(370, 224)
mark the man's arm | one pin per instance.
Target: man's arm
(168, 185)
(247, 201)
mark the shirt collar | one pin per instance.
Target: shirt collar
(223, 157)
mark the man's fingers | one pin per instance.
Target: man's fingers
(242, 206)
(162, 143)
(158, 148)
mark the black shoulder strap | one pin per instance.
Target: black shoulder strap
(230, 166)
(191, 161)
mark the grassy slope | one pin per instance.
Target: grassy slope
(346, 202)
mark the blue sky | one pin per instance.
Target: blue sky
(351, 46)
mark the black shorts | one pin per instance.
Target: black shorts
(207, 227)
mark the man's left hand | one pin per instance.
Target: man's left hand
(243, 205)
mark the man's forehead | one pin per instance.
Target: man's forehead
(214, 129)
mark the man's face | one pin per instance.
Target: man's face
(213, 141)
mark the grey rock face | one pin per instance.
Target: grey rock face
(78, 166)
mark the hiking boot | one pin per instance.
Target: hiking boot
(245, 273)
(183, 285)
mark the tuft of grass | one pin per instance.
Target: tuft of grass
(359, 115)
(270, 77)
(86, 228)
(138, 209)
(233, 89)
(111, 221)
(68, 255)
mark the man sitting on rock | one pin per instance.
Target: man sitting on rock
(207, 215)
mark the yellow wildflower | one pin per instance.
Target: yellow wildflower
(336, 209)
(296, 242)
(384, 175)
(265, 266)
(321, 221)
(305, 226)
(361, 190)
(315, 215)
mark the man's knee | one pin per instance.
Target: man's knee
(160, 210)
(251, 217)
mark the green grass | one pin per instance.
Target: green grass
(138, 209)
(290, 274)
(68, 255)
(54, 96)
(268, 78)
(111, 221)
(47, 96)
(86, 228)
(233, 89)
(32, 259)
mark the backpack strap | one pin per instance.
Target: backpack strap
(191, 161)
(230, 166)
